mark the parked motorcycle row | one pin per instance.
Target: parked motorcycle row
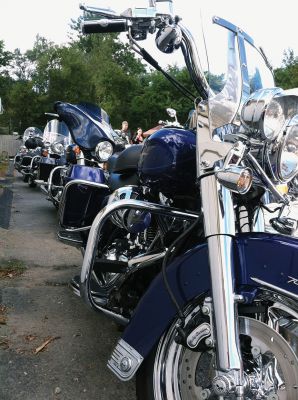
(172, 232)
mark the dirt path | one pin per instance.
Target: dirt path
(36, 307)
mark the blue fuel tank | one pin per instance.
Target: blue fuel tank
(168, 162)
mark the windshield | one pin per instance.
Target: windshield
(235, 69)
(56, 131)
(31, 132)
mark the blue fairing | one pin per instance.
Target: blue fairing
(87, 123)
(270, 258)
(82, 172)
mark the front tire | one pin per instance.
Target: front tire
(174, 372)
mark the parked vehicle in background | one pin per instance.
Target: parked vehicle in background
(28, 156)
(57, 139)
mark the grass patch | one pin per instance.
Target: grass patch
(11, 268)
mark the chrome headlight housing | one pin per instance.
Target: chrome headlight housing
(287, 164)
(262, 114)
(23, 150)
(57, 148)
(271, 115)
(104, 150)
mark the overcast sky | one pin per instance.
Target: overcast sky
(274, 27)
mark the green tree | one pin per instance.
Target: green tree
(286, 77)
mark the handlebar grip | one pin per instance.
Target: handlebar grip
(104, 26)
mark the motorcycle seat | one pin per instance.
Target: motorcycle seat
(126, 161)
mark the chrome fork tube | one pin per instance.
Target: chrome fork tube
(219, 224)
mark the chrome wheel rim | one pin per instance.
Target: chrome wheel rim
(182, 374)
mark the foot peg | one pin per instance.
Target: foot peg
(70, 238)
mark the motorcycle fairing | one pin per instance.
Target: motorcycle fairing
(92, 174)
(88, 124)
(268, 257)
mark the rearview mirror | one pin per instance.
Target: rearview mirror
(168, 39)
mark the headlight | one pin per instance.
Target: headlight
(262, 115)
(57, 148)
(104, 150)
(23, 149)
(274, 119)
(288, 154)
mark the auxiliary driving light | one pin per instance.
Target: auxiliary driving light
(236, 179)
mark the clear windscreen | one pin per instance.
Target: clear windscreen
(222, 57)
(56, 132)
(259, 74)
(32, 132)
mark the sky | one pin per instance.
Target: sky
(272, 27)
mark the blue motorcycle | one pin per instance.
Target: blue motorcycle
(207, 294)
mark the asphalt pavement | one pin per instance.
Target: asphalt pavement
(38, 309)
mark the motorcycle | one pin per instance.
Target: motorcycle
(181, 256)
(83, 180)
(28, 156)
(57, 139)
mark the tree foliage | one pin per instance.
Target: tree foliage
(286, 77)
(99, 69)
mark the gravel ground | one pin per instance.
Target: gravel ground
(36, 306)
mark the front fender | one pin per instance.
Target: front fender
(259, 258)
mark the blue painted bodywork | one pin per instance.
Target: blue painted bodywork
(87, 123)
(268, 257)
(83, 172)
(168, 161)
(48, 161)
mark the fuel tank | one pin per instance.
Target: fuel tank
(168, 162)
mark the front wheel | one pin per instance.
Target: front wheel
(172, 371)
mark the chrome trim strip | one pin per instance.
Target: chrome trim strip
(82, 229)
(124, 361)
(88, 183)
(276, 288)
(143, 260)
(95, 231)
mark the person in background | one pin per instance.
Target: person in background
(139, 136)
(151, 131)
(125, 132)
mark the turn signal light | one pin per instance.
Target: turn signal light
(237, 179)
(76, 150)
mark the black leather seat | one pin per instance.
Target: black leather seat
(126, 161)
